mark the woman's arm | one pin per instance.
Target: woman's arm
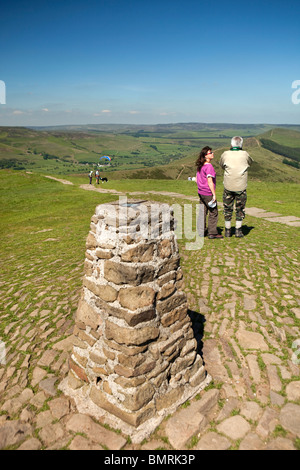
(211, 186)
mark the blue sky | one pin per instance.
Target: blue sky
(144, 62)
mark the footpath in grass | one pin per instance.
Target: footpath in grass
(243, 297)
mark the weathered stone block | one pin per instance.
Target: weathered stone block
(91, 242)
(134, 371)
(182, 363)
(191, 345)
(184, 324)
(99, 371)
(164, 248)
(130, 382)
(140, 398)
(86, 337)
(109, 354)
(81, 360)
(131, 361)
(167, 399)
(132, 418)
(167, 277)
(142, 253)
(102, 254)
(120, 273)
(166, 291)
(95, 357)
(73, 381)
(170, 303)
(131, 318)
(130, 336)
(87, 314)
(127, 350)
(170, 264)
(89, 256)
(104, 291)
(175, 315)
(88, 268)
(79, 371)
(134, 298)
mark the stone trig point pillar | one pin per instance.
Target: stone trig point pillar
(135, 357)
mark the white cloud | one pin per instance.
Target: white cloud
(104, 111)
(46, 110)
(134, 112)
(17, 111)
(167, 114)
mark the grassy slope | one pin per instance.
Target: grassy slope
(288, 137)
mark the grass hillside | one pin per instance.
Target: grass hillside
(285, 143)
(267, 166)
(147, 152)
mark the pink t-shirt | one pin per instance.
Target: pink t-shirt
(206, 170)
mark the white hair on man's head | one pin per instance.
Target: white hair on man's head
(237, 142)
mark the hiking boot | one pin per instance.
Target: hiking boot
(238, 233)
(227, 232)
(215, 236)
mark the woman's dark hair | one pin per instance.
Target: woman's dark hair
(201, 158)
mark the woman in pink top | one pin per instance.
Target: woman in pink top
(206, 182)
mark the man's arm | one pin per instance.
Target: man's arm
(221, 162)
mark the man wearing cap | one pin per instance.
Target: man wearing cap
(235, 163)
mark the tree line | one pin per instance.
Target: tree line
(290, 152)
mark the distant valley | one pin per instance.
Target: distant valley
(162, 151)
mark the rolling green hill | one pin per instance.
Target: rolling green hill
(153, 152)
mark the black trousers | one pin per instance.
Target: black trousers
(213, 215)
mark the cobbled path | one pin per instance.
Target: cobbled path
(245, 313)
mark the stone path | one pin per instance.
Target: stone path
(59, 180)
(245, 311)
(253, 211)
(273, 216)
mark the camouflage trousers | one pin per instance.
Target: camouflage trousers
(240, 199)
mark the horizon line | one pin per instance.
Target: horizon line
(154, 124)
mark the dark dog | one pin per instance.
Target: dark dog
(104, 179)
